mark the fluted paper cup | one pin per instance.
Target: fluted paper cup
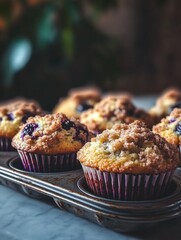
(5, 145)
(48, 163)
(122, 186)
(179, 148)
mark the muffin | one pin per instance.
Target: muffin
(49, 143)
(78, 100)
(128, 162)
(13, 114)
(170, 127)
(111, 110)
(170, 99)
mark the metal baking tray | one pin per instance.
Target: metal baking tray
(70, 192)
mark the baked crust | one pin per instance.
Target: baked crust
(51, 134)
(129, 148)
(14, 113)
(164, 102)
(167, 128)
(76, 97)
(111, 110)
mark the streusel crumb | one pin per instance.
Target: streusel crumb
(111, 110)
(129, 148)
(78, 100)
(164, 103)
(14, 113)
(170, 127)
(51, 134)
(84, 94)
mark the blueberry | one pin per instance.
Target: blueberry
(29, 129)
(26, 116)
(10, 116)
(176, 105)
(172, 120)
(78, 132)
(131, 112)
(178, 128)
(1, 119)
(83, 107)
(67, 124)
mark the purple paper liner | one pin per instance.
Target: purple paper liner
(179, 148)
(48, 163)
(121, 186)
(96, 132)
(5, 145)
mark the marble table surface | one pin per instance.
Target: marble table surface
(24, 218)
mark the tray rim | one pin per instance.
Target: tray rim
(31, 181)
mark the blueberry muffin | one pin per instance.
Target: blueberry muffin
(78, 100)
(111, 110)
(170, 127)
(49, 143)
(169, 100)
(128, 162)
(13, 114)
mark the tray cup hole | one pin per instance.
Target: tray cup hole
(17, 165)
(82, 185)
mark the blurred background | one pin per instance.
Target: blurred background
(48, 47)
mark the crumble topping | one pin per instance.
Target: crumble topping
(111, 110)
(52, 134)
(129, 148)
(170, 127)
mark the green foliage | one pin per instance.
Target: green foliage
(67, 37)
(63, 24)
(46, 30)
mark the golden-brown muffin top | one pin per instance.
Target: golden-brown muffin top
(111, 110)
(51, 134)
(170, 127)
(15, 113)
(83, 94)
(165, 102)
(78, 100)
(129, 148)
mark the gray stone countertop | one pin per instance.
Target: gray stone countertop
(24, 218)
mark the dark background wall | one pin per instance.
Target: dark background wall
(48, 47)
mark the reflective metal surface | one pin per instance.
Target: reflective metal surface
(70, 192)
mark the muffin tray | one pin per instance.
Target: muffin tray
(70, 192)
